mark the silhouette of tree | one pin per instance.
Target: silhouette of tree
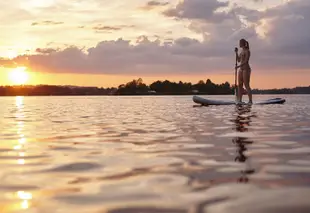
(134, 87)
(137, 87)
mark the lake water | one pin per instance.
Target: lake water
(153, 154)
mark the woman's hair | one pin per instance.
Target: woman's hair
(245, 43)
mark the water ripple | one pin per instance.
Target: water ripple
(153, 154)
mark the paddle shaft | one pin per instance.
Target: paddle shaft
(236, 75)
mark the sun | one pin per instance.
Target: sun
(19, 75)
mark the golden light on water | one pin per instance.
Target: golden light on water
(21, 140)
(17, 147)
(18, 75)
(25, 204)
(21, 161)
(19, 101)
(25, 197)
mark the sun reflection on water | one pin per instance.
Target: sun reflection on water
(19, 101)
(25, 197)
(21, 161)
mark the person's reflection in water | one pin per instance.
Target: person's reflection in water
(242, 121)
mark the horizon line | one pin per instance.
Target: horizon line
(116, 87)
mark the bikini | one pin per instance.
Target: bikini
(245, 66)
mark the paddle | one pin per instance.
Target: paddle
(236, 51)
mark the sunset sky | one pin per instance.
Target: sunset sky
(107, 43)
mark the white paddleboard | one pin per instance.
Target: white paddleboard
(205, 101)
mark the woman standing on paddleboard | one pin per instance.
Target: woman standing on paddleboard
(244, 73)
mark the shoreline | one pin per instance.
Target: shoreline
(158, 95)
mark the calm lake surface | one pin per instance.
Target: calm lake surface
(153, 154)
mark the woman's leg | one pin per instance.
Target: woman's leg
(240, 85)
(247, 78)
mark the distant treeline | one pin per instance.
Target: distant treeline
(137, 87)
(47, 90)
(296, 90)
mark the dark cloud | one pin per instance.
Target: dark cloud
(46, 50)
(287, 28)
(288, 31)
(199, 9)
(111, 28)
(184, 55)
(107, 28)
(154, 4)
(157, 3)
(214, 19)
(47, 23)
(248, 14)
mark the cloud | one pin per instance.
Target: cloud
(283, 29)
(288, 31)
(81, 13)
(214, 20)
(46, 50)
(112, 28)
(47, 23)
(199, 9)
(107, 28)
(154, 4)
(184, 55)
(279, 39)
(4, 62)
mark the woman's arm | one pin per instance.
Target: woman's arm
(238, 58)
(246, 59)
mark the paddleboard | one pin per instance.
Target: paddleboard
(205, 101)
